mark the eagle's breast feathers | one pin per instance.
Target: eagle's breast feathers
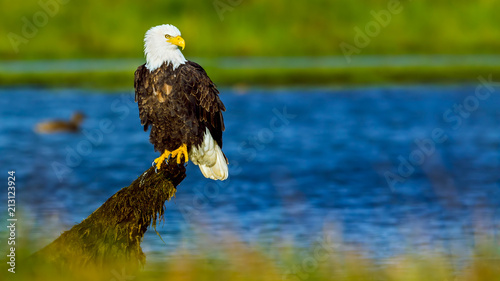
(182, 106)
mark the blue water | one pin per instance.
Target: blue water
(304, 163)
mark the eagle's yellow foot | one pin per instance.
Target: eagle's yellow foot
(158, 161)
(179, 152)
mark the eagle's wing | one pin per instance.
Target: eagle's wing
(203, 94)
(144, 95)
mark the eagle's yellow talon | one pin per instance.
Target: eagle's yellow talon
(160, 159)
(178, 153)
(185, 153)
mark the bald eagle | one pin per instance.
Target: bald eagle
(180, 103)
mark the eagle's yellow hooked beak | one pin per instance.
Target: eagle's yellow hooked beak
(178, 41)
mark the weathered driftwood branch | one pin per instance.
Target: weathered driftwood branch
(113, 232)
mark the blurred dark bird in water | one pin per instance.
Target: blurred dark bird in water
(241, 88)
(59, 126)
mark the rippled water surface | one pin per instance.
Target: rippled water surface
(304, 163)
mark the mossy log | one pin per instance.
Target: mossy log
(113, 233)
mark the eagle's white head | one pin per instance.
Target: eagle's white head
(161, 44)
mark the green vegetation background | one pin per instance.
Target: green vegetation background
(249, 28)
(115, 29)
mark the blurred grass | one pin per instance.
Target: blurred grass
(202, 256)
(243, 78)
(232, 260)
(115, 29)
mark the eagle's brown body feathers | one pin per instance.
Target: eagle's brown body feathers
(179, 105)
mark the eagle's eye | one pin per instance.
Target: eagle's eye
(167, 36)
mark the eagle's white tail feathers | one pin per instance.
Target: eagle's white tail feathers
(209, 157)
(217, 171)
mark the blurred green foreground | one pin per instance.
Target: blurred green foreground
(233, 261)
